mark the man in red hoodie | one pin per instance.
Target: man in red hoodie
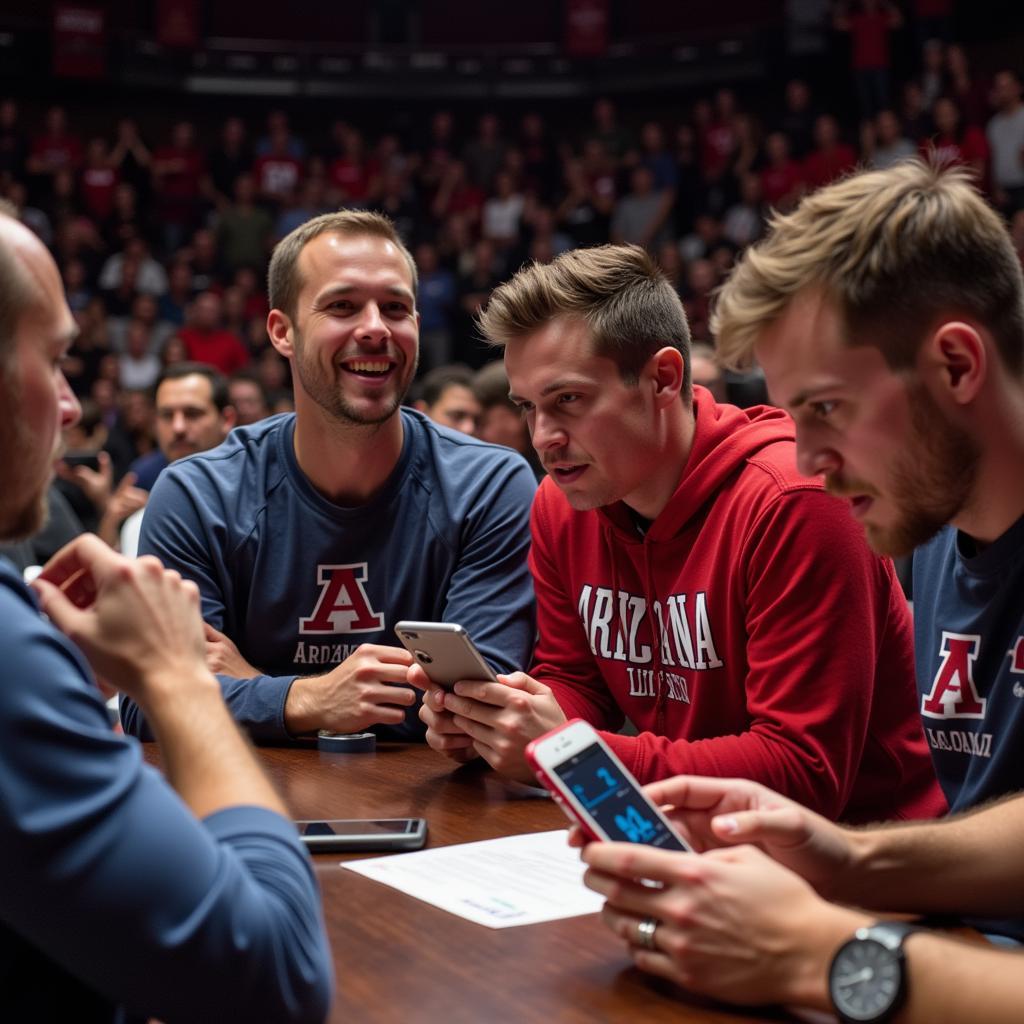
(687, 577)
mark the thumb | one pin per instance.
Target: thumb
(211, 633)
(782, 826)
(521, 681)
(58, 609)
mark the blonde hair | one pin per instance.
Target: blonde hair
(617, 290)
(284, 282)
(893, 250)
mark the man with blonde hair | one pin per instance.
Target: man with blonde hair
(888, 315)
(311, 534)
(687, 578)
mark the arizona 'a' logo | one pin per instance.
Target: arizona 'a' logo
(1016, 653)
(343, 606)
(953, 693)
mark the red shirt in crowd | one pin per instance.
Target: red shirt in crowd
(823, 166)
(277, 175)
(98, 185)
(781, 180)
(218, 348)
(869, 37)
(350, 176)
(57, 151)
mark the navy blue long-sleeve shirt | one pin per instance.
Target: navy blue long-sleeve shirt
(298, 583)
(115, 902)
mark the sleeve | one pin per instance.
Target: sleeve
(187, 531)
(563, 659)
(109, 873)
(490, 592)
(817, 605)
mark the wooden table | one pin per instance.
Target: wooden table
(400, 960)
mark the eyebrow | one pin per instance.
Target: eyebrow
(557, 385)
(347, 289)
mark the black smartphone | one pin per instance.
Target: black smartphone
(353, 835)
(88, 459)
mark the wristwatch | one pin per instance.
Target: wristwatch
(867, 982)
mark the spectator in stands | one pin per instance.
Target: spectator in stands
(150, 278)
(870, 24)
(889, 144)
(436, 303)
(178, 170)
(193, 413)
(706, 370)
(782, 178)
(932, 76)
(831, 157)
(503, 212)
(641, 216)
(484, 154)
(98, 181)
(970, 94)
(248, 397)
(446, 395)
(131, 159)
(13, 143)
(501, 421)
(227, 163)
(277, 172)
(798, 118)
(954, 143)
(244, 228)
(456, 194)
(613, 138)
(1006, 137)
(146, 310)
(584, 212)
(57, 148)
(138, 365)
(173, 304)
(204, 259)
(206, 339)
(744, 221)
(278, 127)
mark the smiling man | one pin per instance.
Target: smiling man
(687, 576)
(311, 534)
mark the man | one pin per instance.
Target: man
(310, 535)
(1005, 133)
(122, 899)
(208, 341)
(248, 397)
(888, 315)
(446, 396)
(687, 578)
(193, 413)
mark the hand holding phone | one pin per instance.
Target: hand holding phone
(444, 651)
(595, 790)
(353, 835)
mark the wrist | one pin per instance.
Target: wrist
(826, 931)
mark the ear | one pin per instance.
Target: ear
(279, 329)
(229, 416)
(666, 372)
(957, 358)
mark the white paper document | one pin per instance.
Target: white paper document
(499, 883)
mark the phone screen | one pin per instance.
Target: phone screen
(612, 800)
(353, 827)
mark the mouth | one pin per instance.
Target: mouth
(567, 474)
(375, 370)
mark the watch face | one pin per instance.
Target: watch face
(864, 980)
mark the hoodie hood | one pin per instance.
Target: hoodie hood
(725, 438)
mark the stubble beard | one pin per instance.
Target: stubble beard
(21, 516)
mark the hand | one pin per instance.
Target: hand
(712, 812)
(502, 717)
(367, 688)
(126, 499)
(732, 923)
(96, 485)
(223, 657)
(443, 734)
(136, 623)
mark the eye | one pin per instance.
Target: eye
(567, 398)
(822, 410)
(396, 308)
(341, 306)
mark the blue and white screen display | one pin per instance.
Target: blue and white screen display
(611, 799)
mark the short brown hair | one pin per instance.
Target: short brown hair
(283, 279)
(892, 249)
(616, 290)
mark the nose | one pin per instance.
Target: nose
(813, 458)
(67, 403)
(372, 327)
(545, 433)
(179, 423)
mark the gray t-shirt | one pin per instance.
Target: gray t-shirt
(1006, 137)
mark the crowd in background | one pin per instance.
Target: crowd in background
(163, 238)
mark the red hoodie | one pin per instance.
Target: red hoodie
(784, 652)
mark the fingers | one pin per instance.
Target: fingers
(521, 681)
(387, 655)
(213, 635)
(80, 567)
(59, 608)
(783, 826)
(703, 793)
(637, 860)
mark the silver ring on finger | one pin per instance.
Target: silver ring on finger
(645, 932)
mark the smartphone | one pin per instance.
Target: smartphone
(445, 651)
(594, 789)
(354, 835)
(88, 459)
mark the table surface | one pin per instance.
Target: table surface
(399, 959)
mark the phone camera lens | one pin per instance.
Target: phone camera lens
(411, 636)
(424, 657)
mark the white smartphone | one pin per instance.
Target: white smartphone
(355, 834)
(594, 789)
(445, 652)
